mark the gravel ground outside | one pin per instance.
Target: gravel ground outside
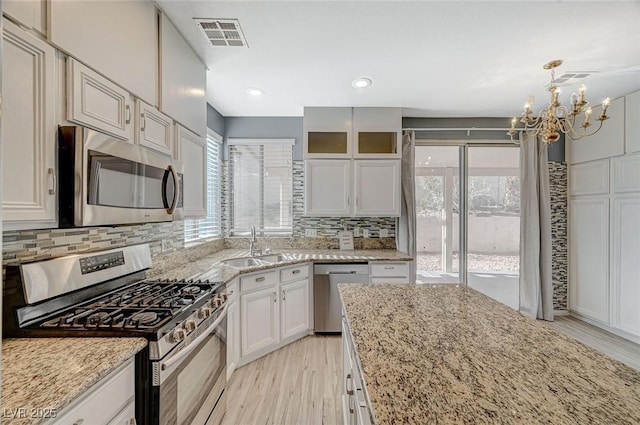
(476, 262)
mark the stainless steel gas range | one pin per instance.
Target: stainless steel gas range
(181, 376)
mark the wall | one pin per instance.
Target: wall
(265, 128)
(215, 121)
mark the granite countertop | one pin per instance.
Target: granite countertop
(210, 266)
(49, 373)
(449, 354)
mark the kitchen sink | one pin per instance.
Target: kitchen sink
(262, 260)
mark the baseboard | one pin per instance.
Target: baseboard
(561, 313)
(622, 334)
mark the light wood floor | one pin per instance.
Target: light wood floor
(607, 343)
(298, 384)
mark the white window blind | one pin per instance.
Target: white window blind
(262, 186)
(210, 226)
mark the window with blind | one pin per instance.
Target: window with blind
(261, 186)
(210, 226)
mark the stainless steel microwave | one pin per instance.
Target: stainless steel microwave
(106, 181)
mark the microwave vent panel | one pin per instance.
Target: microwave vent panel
(222, 32)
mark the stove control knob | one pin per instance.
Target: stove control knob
(190, 325)
(217, 301)
(204, 312)
(177, 335)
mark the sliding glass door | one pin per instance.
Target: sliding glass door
(437, 188)
(468, 224)
(493, 222)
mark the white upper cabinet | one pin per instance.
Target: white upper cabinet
(96, 102)
(193, 154)
(352, 132)
(117, 38)
(377, 132)
(153, 128)
(607, 142)
(589, 178)
(183, 85)
(28, 156)
(30, 13)
(327, 187)
(328, 132)
(632, 122)
(377, 188)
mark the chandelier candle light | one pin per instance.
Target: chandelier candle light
(558, 118)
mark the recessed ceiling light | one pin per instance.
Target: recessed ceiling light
(254, 91)
(360, 83)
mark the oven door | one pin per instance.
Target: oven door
(189, 384)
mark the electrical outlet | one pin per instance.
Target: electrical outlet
(311, 233)
(365, 233)
(356, 232)
(384, 233)
(165, 245)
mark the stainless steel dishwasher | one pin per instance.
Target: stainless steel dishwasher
(327, 306)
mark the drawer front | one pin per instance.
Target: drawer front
(393, 279)
(117, 388)
(298, 272)
(389, 269)
(258, 281)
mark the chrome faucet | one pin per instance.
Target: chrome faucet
(253, 251)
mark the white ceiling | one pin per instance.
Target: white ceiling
(432, 58)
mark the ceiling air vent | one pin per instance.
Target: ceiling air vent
(572, 77)
(222, 32)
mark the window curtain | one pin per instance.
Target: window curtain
(536, 287)
(406, 224)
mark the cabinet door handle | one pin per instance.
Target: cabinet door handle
(127, 114)
(356, 201)
(142, 122)
(260, 279)
(348, 203)
(296, 271)
(52, 173)
(131, 421)
(78, 422)
(275, 297)
(283, 295)
(388, 267)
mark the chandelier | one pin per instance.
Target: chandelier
(557, 118)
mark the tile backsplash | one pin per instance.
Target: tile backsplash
(27, 245)
(559, 262)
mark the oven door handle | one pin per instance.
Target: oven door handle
(194, 344)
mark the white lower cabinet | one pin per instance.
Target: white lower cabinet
(109, 402)
(389, 271)
(233, 328)
(294, 308)
(589, 257)
(275, 309)
(28, 131)
(625, 282)
(260, 321)
(354, 403)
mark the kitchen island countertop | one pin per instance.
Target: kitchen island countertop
(49, 373)
(449, 354)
